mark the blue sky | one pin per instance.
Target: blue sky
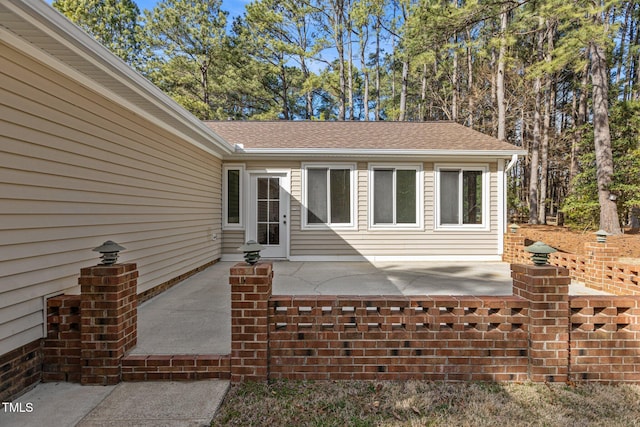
(234, 7)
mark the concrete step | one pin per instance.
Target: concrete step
(177, 367)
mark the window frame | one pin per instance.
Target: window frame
(353, 178)
(226, 225)
(486, 192)
(419, 169)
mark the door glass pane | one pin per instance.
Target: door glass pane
(472, 197)
(274, 188)
(406, 196)
(262, 210)
(262, 234)
(383, 196)
(274, 234)
(449, 197)
(340, 196)
(233, 196)
(317, 196)
(274, 210)
(263, 188)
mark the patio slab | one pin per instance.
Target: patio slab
(407, 278)
(193, 317)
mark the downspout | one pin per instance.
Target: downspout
(505, 218)
(514, 159)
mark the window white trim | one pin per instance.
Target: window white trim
(353, 177)
(225, 202)
(486, 201)
(418, 167)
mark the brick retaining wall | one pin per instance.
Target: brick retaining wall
(540, 333)
(395, 338)
(599, 269)
(605, 338)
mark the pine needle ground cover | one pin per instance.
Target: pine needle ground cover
(413, 403)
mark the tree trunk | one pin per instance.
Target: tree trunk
(403, 89)
(535, 145)
(544, 154)
(502, 122)
(609, 220)
(350, 72)
(455, 87)
(365, 73)
(423, 94)
(581, 119)
(377, 107)
(470, 99)
(546, 125)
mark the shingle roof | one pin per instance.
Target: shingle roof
(356, 135)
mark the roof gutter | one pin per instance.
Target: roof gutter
(333, 152)
(60, 29)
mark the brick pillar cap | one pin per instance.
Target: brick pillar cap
(542, 270)
(262, 268)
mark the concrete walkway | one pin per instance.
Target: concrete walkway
(193, 317)
(150, 404)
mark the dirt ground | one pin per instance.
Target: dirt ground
(564, 239)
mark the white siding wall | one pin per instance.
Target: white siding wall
(76, 170)
(376, 243)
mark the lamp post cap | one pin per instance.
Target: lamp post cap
(251, 246)
(540, 248)
(602, 232)
(109, 246)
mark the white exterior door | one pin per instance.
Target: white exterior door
(269, 213)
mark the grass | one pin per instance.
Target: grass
(416, 403)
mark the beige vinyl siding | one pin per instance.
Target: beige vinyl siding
(400, 243)
(371, 243)
(231, 241)
(76, 170)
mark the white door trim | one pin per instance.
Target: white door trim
(251, 212)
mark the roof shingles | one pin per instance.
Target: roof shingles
(356, 135)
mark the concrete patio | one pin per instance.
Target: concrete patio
(193, 317)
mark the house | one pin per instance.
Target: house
(91, 151)
(380, 191)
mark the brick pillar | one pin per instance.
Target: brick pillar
(250, 292)
(547, 289)
(512, 243)
(598, 255)
(109, 308)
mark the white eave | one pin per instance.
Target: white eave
(47, 33)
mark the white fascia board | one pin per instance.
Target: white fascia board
(385, 153)
(66, 33)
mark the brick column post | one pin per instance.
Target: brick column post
(109, 312)
(547, 289)
(251, 287)
(512, 241)
(598, 255)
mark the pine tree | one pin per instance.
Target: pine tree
(114, 23)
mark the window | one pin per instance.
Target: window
(328, 195)
(462, 196)
(395, 196)
(232, 196)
